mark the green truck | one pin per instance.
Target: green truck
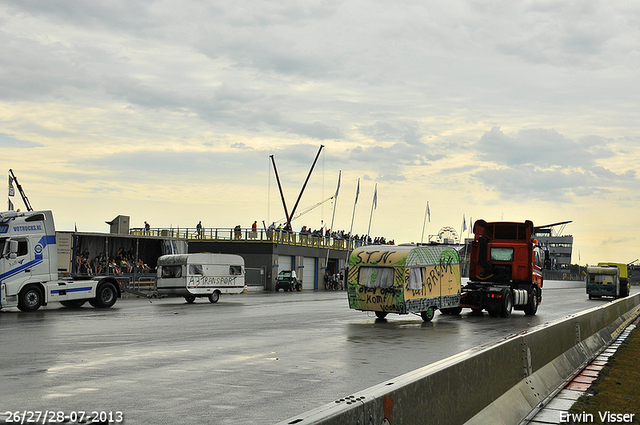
(607, 280)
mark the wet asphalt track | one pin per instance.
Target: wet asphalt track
(250, 359)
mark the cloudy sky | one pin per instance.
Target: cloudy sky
(168, 112)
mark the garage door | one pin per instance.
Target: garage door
(309, 273)
(284, 262)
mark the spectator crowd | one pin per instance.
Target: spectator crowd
(124, 262)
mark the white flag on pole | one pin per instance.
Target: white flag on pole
(375, 198)
(357, 192)
(12, 191)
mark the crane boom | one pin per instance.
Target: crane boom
(24, 196)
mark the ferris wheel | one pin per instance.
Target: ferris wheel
(448, 233)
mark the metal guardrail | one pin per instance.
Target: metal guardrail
(248, 235)
(144, 285)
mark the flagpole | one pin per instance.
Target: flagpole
(375, 196)
(353, 215)
(335, 202)
(424, 223)
(463, 228)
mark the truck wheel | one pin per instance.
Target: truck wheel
(381, 314)
(214, 297)
(30, 298)
(190, 299)
(298, 287)
(532, 306)
(427, 316)
(106, 296)
(507, 303)
(624, 291)
(73, 303)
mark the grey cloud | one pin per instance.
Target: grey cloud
(10, 141)
(410, 133)
(545, 148)
(240, 145)
(529, 182)
(545, 164)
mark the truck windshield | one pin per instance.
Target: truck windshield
(501, 254)
(376, 277)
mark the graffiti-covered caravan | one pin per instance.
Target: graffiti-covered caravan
(200, 275)
(404, 279)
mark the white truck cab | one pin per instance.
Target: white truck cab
(29, 267)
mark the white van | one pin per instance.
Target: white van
(200, 275)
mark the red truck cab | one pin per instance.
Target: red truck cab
(505, 269)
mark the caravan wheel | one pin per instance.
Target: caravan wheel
(214, 297)
(427, 316)
(381, 314)
(190, 299)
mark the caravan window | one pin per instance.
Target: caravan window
(416, 277)
(376, 277)
(195, 269)
(171, 271)
(235, 270)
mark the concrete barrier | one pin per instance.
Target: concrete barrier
(499, 383)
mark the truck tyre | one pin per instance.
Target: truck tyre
(214, 297)
(106, 296)
(532, 306)
(299, 287)
(624, 291)
(427, 316)
(73, 303)
(30, 298)
(190, 299)
(507, 303)
(381, 314)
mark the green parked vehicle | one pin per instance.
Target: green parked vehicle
(288, 281)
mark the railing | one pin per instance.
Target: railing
(252, 236)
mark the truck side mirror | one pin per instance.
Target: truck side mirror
(13, 250)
